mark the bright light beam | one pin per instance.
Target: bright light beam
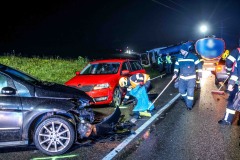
(203, 28)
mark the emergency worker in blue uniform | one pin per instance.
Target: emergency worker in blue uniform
(234, 73)
(132, 81)
(168, 64)
(185, 68)
(160, 63)
(198, 79)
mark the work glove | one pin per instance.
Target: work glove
(174, 76)
(230, 87)
(228, 70)
(228, 73)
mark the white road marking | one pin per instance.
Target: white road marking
(116, 150)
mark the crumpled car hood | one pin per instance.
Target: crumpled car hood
(55, 90)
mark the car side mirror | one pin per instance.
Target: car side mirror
(125, 72)
(8, 91)
(78, 73)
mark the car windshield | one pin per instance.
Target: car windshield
(20, 75)
(101, 68)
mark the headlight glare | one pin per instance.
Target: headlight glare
(101, 86)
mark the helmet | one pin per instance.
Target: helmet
(123, 81)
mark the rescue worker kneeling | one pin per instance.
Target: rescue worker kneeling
(137, 86)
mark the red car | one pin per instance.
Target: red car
(99, 79)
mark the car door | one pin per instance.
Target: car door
(10, 113)
(136, 67)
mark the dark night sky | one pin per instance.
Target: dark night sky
(75, 27)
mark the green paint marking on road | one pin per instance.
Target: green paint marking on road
(56, 157)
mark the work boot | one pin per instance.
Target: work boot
(223, 122)
(145, 114)
(228, 117)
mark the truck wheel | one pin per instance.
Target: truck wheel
(117, 97)
(54, 136)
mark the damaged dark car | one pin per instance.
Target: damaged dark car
(51, 116)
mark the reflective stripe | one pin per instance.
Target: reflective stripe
(168, 59)
(126, 97)
(190, 98)
(231, 58)
(129, 89)
(234, 78)
(230, 111)
(197, 61)
(197, 81)
(188, 77)
(186, 60)
(228, 69)
(176, 70)
(176, 63)
(184, 94)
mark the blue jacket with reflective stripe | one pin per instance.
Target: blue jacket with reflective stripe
(231, 58)
(235, 73)
(186, 66)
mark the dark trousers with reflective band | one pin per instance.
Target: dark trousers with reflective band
(186, 89)
(230, 112)
(231, 97)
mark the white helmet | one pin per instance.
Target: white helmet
(123, 81)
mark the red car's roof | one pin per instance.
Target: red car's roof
(109, 60)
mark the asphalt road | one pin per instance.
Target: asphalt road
(190, 135)
(176, 134)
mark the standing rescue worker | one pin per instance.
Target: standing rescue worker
(185, 67)
(160, 63)
(168, 64)
(231, 60)
(132, 81)
(198, 79)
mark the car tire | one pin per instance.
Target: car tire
(117, 97)
(57, 141)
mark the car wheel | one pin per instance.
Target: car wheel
(117, 97)
(54, 136)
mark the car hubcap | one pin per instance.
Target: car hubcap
(54, 136)
(117, 97)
